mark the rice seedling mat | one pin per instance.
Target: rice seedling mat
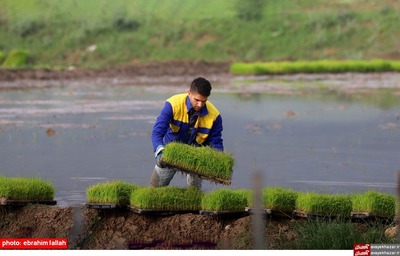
(224, 213)
(201, 176)
(6, 202)
(159, 212)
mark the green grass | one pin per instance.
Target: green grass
(336, 235)
(202, 160)
(324, 204)
(374, 202)
(281, 199)
(58, 33)
(323, 66)
(225, 200)
(113, 192)
(21, 188)
(167, 198)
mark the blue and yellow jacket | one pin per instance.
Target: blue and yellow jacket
(173, 124)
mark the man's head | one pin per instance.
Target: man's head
(198, 93)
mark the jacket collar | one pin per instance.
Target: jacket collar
(189, 106)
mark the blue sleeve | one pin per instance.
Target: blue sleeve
(215, 137)
(160, 128)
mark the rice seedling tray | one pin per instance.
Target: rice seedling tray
(302, 214)
(368, 216)
(273, 212)
(102, 206)
(159, 212)
(224, 213)
(191, 172)
(7, 202)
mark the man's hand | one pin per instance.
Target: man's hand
(158, 156)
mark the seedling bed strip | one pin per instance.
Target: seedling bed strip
(26, 202)
(160, 212)
(201, 176)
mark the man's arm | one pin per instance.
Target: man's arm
(215, 136)
(161, 126)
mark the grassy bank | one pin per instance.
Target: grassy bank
(103, 33)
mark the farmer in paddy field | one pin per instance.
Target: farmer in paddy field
(187, 118)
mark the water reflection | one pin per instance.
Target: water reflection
(326, 142)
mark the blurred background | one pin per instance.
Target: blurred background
(98, 33)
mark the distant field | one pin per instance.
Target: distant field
(106, 33)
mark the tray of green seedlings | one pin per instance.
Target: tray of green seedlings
(19, 191)
(225, 202)
(109, 195)
(311, 205)
(205, 162)
(165, 200)
(373, 204)
(279, 201)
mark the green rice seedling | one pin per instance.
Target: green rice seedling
(322, 204)
(205, 161)
(21, 188)
(374, 202)
(248, 194)
(225, 200)
(167, 199)
(114, 192)
(281, 199)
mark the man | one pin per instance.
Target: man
(187, 118)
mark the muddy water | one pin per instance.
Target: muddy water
(322, 141)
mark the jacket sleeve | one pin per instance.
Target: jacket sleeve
(215, 137)
(160, 128)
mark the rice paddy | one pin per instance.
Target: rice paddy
(114, 192)
(204, 161)
(30, 189)
(323, 66)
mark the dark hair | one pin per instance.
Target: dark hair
(201, 86)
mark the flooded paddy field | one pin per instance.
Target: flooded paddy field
(334, 134)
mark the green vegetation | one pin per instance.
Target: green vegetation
(167, 199)
(281, 199)
(31, 189)
(114, 192)
(98, 33)
(202, 160)
(225, 200)
(2, 57)
(374, 202)
(16, 59)
(322, 66)
(322, 204)
(336, 235)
